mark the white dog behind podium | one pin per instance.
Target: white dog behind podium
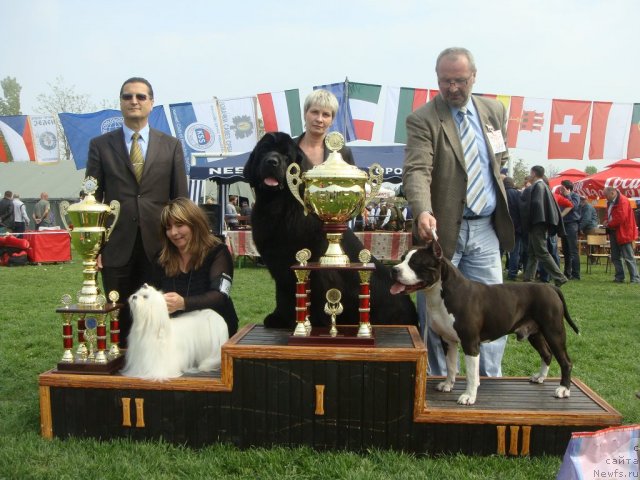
(160, 347)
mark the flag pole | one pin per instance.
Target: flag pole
(345, 117)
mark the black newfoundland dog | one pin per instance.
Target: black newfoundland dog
(280, 229)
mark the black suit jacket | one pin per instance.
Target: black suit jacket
(537, 205)
(163, 179)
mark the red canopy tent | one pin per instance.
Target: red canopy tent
(570, 174)
(623, 175)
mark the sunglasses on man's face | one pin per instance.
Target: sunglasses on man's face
(141, 97)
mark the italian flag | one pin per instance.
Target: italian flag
(401, 101)
(610, 127)
(633, 150)
(363, 103)
(281, 112)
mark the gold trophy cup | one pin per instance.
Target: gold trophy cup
(88, 233)
(335, 192)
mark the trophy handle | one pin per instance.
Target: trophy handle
(294, 181)
(64, 206)
(375, 181)
(115, 211)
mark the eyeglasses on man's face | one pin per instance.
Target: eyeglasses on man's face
(141, 97)
(455, 82)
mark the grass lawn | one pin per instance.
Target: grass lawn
(605, 357)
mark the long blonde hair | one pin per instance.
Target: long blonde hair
(183, 211)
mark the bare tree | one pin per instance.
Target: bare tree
(552, 171)
(63, 98)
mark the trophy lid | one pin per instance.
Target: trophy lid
(89, 203)
(335, 166)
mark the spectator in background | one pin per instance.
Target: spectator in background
(571, 227)
(552, 239)
(41, 212)
(6, 212)
(231, 212)
(513, 202)
(245, 211)
(373, 217)
(20, 216)
(540, 216)
(589, 220)
(623, 231)
(384, 216)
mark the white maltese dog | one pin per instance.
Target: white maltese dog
(161, 347)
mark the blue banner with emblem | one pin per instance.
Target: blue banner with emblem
(197, 127)
(80, 128)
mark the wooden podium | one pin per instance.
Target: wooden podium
(270, 393)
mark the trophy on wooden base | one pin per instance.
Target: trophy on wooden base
(89, 231)
(335, 192)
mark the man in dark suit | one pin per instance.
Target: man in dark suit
(541, 217)
(143, 169)
(457, 188)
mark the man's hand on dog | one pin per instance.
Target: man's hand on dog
(427, 227)
(174, 301)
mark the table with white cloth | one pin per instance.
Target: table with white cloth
(388, 246)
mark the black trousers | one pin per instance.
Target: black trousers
(126, 280)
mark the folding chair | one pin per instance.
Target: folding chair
(597, 248)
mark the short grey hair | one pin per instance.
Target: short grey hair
(455, 52)
(322, 99)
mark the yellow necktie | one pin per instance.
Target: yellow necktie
(137, 159)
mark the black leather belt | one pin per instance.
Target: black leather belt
(475, 217)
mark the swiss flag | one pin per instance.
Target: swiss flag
(568, 132)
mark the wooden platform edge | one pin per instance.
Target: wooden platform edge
(462, 415)
(300, 352)
(46, 418)
(232, 349)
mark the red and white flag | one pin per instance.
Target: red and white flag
(528, 125)
(568, 132)
(610, 124)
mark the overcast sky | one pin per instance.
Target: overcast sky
(194, 50)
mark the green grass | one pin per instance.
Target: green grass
(605, 357)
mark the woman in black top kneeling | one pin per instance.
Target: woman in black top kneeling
(194, 268)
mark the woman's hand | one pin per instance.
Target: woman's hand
(175, 302)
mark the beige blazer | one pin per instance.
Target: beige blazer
(435, 176)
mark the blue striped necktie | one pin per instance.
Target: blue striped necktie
(476, 198)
